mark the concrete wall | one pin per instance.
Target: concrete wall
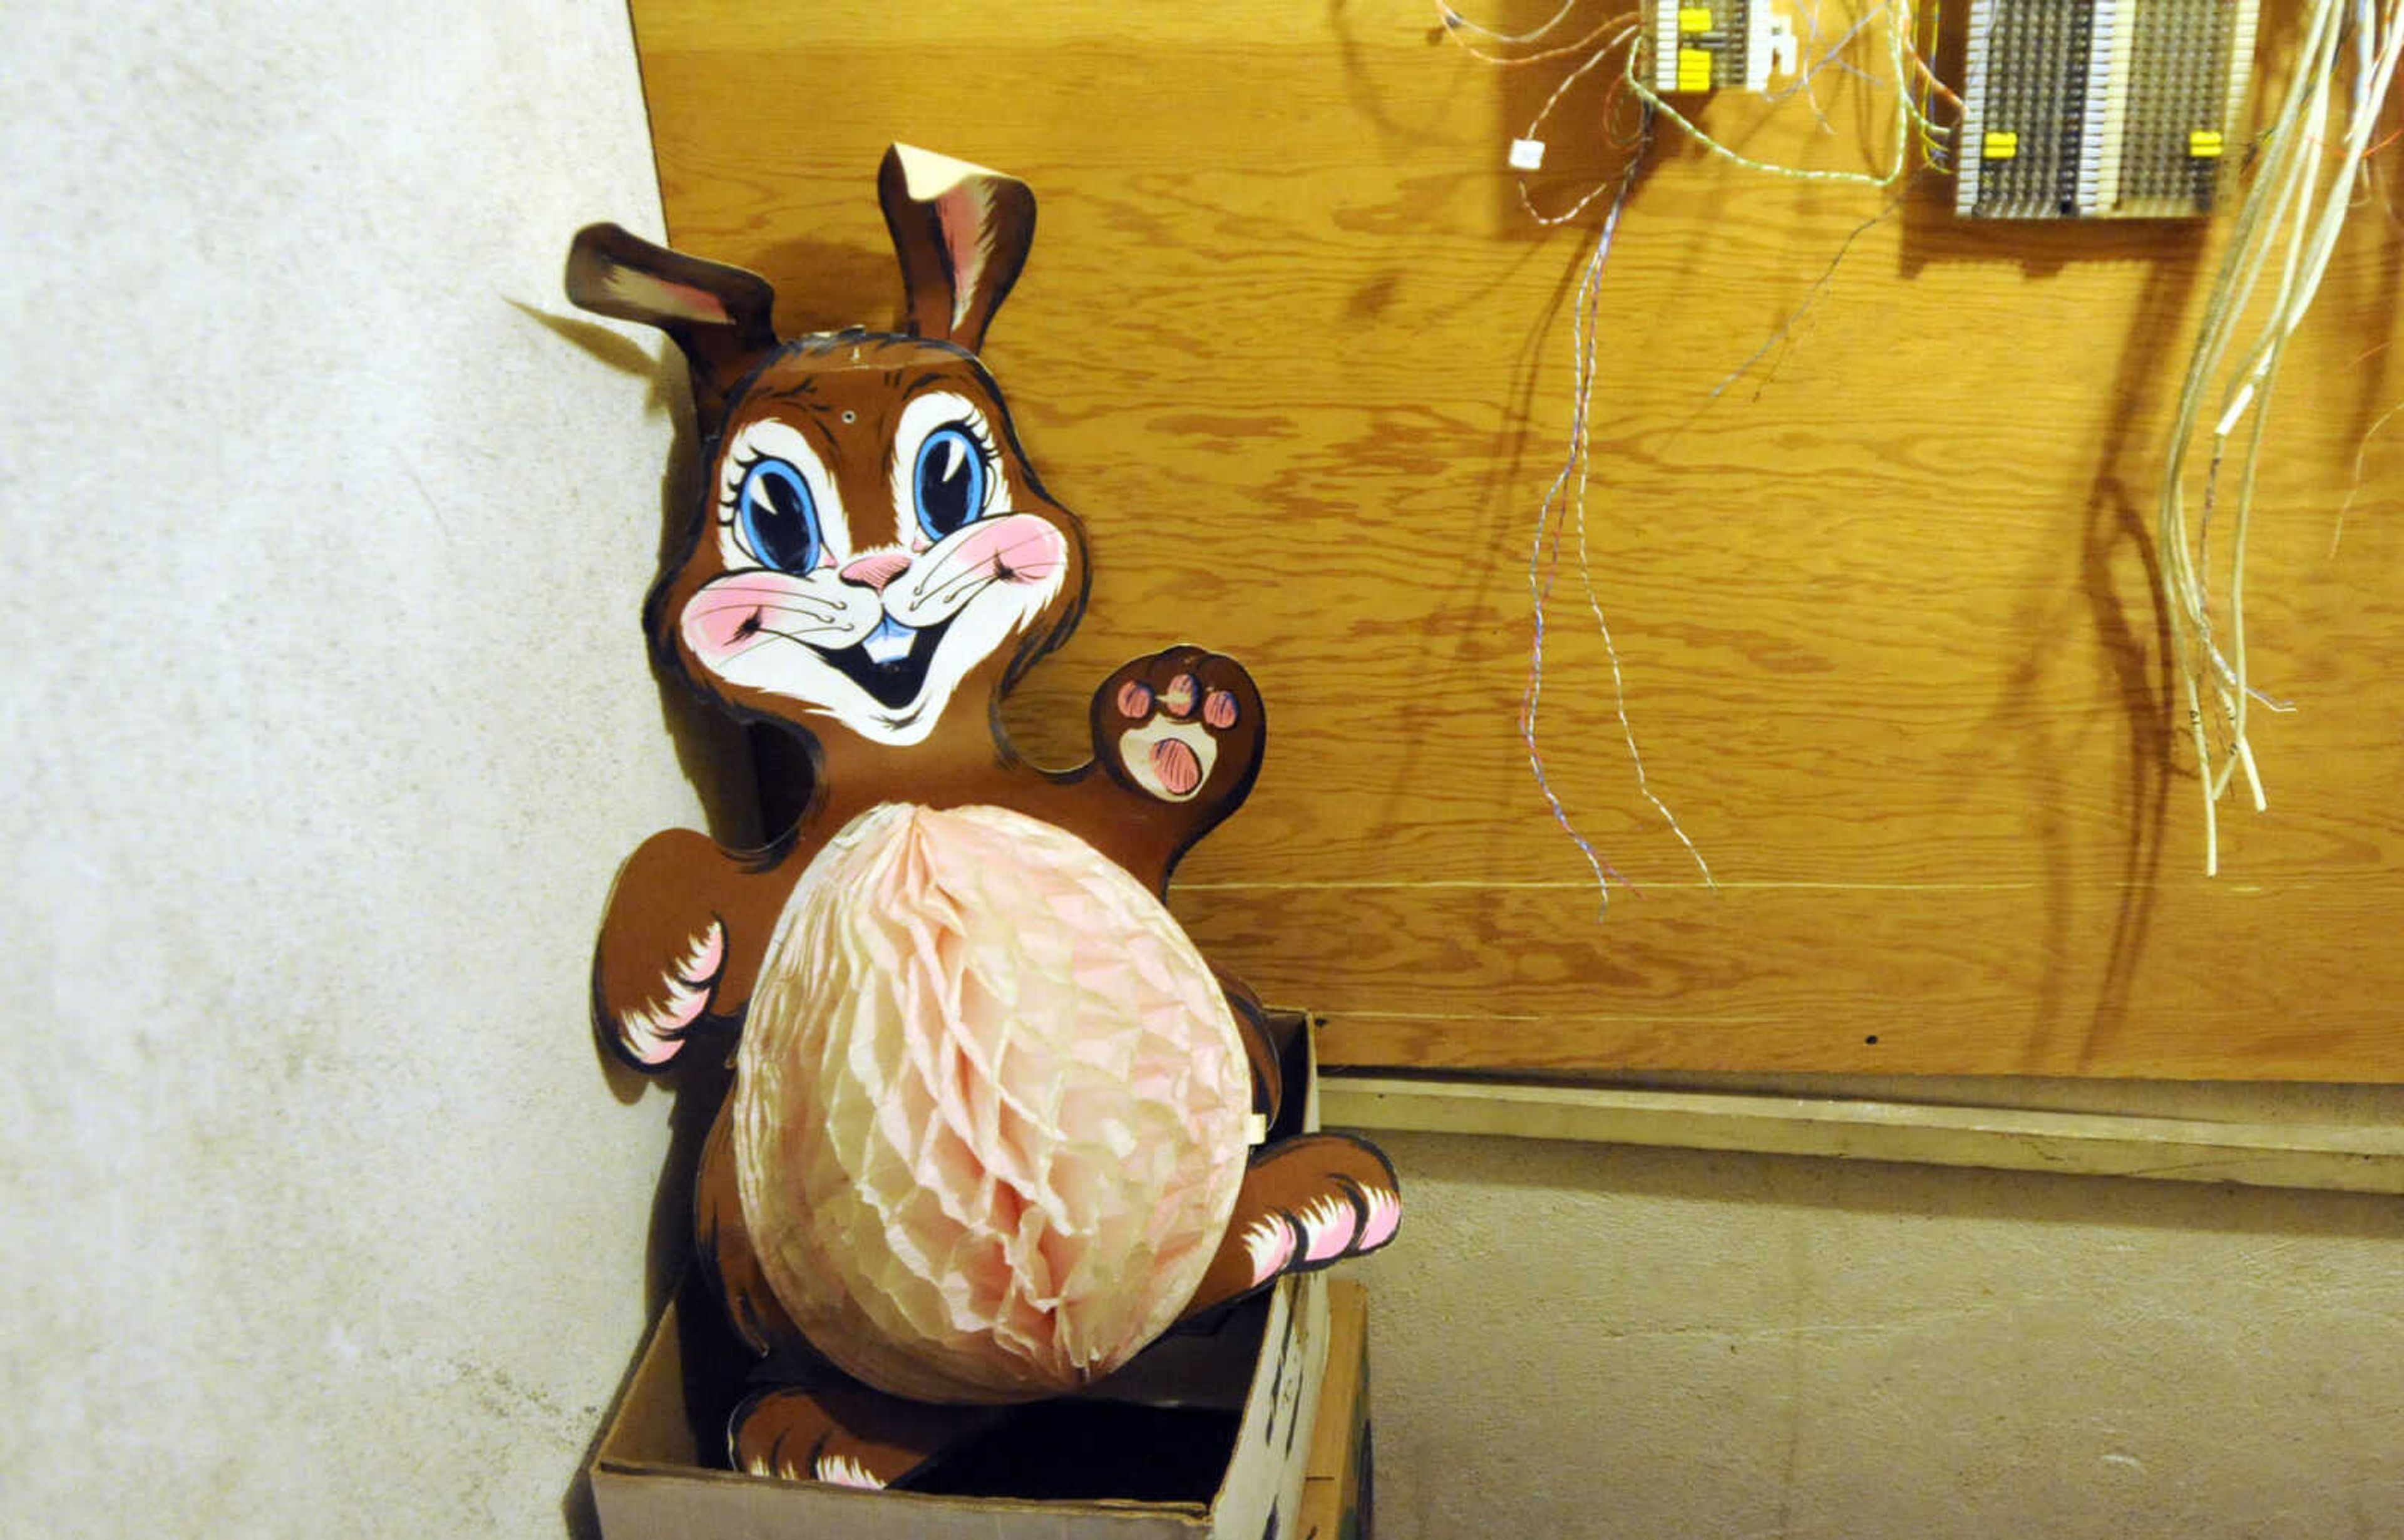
(326, 720)
(1576, 1340)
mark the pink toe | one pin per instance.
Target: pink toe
(647, 1042)
(841, 1470)
(1219, 709)
(1178, 698)
(708, 955)
(1270, 1244)
(1385, 1218)
(1135, 699)
(1328, 1225)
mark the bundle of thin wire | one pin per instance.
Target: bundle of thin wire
(1563, 512)
(2293, 211)
(1912, 119)
(1907, 61)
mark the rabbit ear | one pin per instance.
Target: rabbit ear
(719, 315)
(963, 234)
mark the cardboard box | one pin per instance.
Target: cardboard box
(1229, 1411)
(649, 1481)
(1338, 1491)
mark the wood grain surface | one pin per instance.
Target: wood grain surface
(1884, 605)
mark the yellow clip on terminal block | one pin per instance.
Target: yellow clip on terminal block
(1694, 69)
(2205, 144)
(2000, 145)
(1694, 19)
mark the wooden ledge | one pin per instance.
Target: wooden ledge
(2262, 1155)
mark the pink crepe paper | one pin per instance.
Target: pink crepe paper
(990, 1108)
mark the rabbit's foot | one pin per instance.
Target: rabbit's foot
(1304, 1203)
(843, 1434)
(1181, 726)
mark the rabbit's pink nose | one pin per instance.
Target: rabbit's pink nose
(875, 572)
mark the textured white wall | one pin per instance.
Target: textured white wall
(326, 720)
(1580, 1341)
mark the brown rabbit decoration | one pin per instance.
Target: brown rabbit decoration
(995, 1125)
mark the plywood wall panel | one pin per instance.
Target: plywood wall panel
(1884, 604)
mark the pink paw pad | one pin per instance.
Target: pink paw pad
(1135, 699)
(1219, 709)
(1177, 766)
(1178, 698)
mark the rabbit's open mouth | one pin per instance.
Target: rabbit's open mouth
(890, 661)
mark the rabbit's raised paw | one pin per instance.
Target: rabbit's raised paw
(1181, 726)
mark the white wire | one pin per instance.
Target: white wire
(1459, 22)
(2295, 209)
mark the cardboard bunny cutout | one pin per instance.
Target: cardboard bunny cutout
(994, 1124)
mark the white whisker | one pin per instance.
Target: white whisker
(941, 571)
(967, 588)
(825, 617)
(713, 604)
(767, 633)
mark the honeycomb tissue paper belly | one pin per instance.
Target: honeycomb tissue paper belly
(991, 1107)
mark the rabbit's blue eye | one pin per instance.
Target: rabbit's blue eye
(949, 482)
(776, 517)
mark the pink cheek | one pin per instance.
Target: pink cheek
(717, 630)
(1051, 554)
(724, 620)
(1024, 548)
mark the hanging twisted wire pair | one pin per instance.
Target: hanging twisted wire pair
(2301, 194)
(1561, 515)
